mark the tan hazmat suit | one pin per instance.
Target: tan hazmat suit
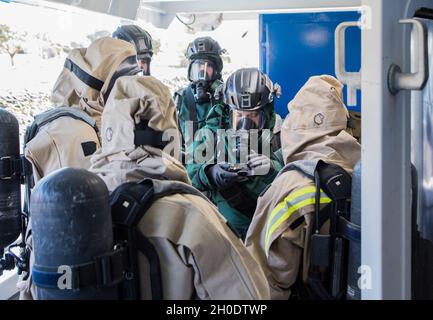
(84, 84)
(67, 135)
(313, 130)
(200, 256)
(89, 75)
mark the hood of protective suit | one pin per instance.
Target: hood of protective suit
(316, 124)
(89, 75)
(135, 100)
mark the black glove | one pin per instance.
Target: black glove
(259, 165)
(219, 175)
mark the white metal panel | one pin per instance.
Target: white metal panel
(161, 13)
(191, 6)
(8, 285)
(386, 216)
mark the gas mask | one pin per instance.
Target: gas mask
(246, 133)
(202, 73)
(202, 91)
(248, 120)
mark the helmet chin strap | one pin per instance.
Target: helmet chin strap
(202, 91)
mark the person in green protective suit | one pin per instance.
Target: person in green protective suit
(205, 89)
(235, 157)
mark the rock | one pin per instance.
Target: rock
(25, 106)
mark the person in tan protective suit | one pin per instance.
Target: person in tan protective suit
(200, 257)
(89, 75)
(84, 84)
(314, 130)
(67, 135)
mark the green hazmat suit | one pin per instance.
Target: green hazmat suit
(237, 203)
(190, 111)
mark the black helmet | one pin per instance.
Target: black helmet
(250, 95)
(206, 48)
(140, 38)
(249, 89)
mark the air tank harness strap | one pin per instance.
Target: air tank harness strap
(103, 271)
(14, 166)
(129, 203)
(328, 252)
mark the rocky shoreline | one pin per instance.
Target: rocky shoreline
(25, 106)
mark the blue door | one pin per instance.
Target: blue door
(296, 46)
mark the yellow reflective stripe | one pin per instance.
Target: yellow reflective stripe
(291, 197)
(289, 212)
(288, 201)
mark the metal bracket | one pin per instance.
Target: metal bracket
(397, 80)
(351, 79)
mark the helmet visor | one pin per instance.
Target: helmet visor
(202, 70)
(248, 120)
